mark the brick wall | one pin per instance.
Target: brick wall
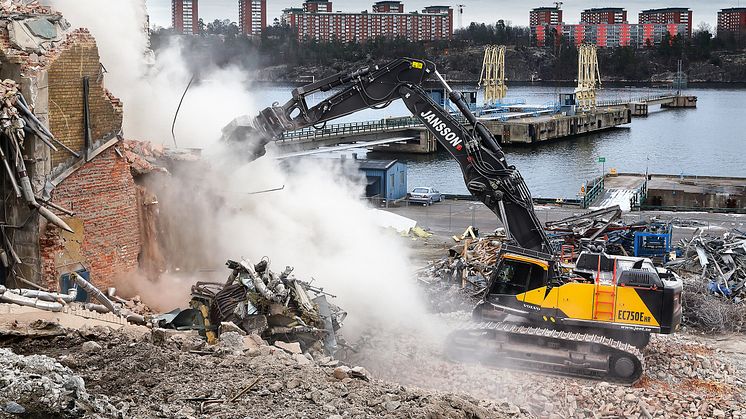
(103, 195)
(79, 58)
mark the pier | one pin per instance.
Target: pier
(408, 135)
(635, 191)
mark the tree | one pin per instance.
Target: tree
(222, 27)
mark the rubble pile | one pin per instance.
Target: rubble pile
(40, 386)
(24, 7)
(166, 375)
(464, 273)
(257, 300)
(590, 225)
(713, 270)
(721, 262)
(684, 374)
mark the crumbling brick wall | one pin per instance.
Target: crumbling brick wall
(77, 60)
(103, 195)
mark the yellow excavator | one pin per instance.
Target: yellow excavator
(588, 321)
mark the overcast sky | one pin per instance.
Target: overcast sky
(488, 11)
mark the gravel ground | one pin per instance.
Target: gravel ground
(164, 376)
(686, 376)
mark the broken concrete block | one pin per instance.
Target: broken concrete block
(301, 359)
(360, 372)
(231, 342)
(91, 347)
(289, 347)
(226, 327)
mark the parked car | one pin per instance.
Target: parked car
(425, 196)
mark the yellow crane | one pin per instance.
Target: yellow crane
(493, 74)
(589, 78)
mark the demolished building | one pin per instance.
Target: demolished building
(86, 180)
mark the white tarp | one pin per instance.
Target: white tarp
(387, 219)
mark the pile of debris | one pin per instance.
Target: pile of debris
(713, 270)
(465, 272)
(39, 386)
(590, 225)
(144, 376)
(256, 300)
(23, 7)
(56, 302)
(721, 262)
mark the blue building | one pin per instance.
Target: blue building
(387, 179)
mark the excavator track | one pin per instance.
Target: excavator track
(516, 346)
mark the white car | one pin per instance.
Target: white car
(425, 196)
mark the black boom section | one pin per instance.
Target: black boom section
(369, 87)
(486, 172)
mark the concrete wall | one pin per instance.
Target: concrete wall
(532, 130)
(704, 199)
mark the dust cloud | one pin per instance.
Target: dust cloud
(317, 223)
(151, 87)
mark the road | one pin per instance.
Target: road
(448, 218)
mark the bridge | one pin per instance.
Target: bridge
(408, 135)
(639, 105)
(405, 134)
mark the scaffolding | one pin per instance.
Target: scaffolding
(493, 74)
(589, 78)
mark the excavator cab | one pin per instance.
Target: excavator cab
(519, 285)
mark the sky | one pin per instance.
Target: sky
(487, 11)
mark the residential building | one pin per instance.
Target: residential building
(732, 21)
(433, 23)
(388, 7)
(545, 16)
(185, 16)
(316, 6)
(610, 15)
(671, 15)
(605, 35)
(252, 16)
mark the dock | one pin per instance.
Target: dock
(635, 191)
(408, 135)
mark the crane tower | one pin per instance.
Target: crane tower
(493, 74)
(589, 78)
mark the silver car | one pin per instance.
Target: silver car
(425, 196)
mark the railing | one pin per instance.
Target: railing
(645, 207)
(593, 190)
(638, 200)
(352, 128)
(639, 99)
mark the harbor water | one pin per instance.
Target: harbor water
(707, 141)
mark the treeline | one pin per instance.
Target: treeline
(222, 44)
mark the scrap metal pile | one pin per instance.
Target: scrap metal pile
(465, 272)
(721, 261)
(51, 301)
(278, 307)
(714, 274)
